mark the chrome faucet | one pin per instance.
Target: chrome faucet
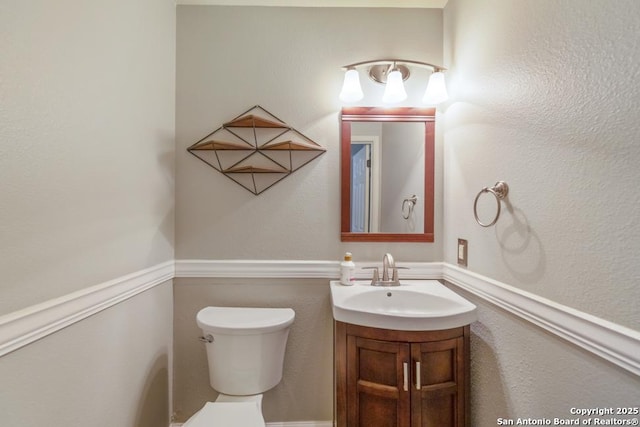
(388, 263)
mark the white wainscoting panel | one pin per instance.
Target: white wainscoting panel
(25, 326)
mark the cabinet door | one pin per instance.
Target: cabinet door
(438, 383)
(377, 383)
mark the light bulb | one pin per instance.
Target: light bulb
(351, 90)
(394, 90)
(436, 89)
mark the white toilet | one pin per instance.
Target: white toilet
(245, 351)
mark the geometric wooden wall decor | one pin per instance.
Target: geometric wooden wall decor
(256, 150)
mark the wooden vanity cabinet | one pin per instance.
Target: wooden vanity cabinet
(388, 378)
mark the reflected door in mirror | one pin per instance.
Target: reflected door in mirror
(360, 187)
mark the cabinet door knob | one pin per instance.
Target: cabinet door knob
(405, 376)
(418, 386)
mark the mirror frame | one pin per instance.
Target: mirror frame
(380, 114)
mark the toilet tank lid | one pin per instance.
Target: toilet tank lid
(244, 320)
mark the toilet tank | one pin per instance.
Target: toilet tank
(247, 352)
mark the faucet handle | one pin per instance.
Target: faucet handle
(394, 273)
(376, 274)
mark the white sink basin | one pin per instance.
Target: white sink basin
(415, 305)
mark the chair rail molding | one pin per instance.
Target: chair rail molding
(25, 326)
(295, 269)
(613, 342)
(617, 344)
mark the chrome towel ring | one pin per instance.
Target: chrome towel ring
(499, 191)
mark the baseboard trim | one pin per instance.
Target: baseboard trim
(288, 424)
(302, 424)
(613, 342)
(25, 326)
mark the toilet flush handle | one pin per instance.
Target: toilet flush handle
(208, 338)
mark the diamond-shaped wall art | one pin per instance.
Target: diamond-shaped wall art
(256, 150)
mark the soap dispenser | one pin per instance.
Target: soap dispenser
(347, 270)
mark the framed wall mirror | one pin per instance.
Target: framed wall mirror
(387, 174)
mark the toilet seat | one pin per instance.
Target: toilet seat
(227, 414)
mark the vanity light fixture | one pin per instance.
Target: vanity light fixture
(394, 90)
(351, 90)
(393, 72)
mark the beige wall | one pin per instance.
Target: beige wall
(87, 143)
(87, 101)
(521, 370)
(525, 108)
(544, 96)
(288, 60)
(306, 390)
(111, 369)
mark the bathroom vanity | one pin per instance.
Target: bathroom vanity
(418, 378)
(401, 355)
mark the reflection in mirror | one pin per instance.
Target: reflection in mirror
(387, 160)
(387, 174)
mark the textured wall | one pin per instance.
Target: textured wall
(306, 390)
(86, 165)
(520, 370)
(111, 369)
(86, 143)
(544, 96)
(289, 61)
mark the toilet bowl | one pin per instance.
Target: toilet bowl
(245, 353)
(226, 411)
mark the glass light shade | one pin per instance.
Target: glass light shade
(436, 89)
(394, 90)
(351, 90)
